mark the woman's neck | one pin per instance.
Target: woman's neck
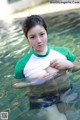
(43, 52)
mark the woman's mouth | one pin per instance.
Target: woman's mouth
(40, 45)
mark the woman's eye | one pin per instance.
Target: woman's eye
(42, 34)
(32, 37)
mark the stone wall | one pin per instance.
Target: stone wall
(23, 4)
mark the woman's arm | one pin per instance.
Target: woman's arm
(20, 84)
(76, 66)
(62, 64)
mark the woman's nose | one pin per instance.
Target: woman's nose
(38, 39)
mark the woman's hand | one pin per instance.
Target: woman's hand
(61, 64)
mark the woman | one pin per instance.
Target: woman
(37, 69)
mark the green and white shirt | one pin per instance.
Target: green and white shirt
(33, 62)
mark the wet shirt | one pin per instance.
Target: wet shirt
(33, 63)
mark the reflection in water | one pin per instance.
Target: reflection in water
(64, 30)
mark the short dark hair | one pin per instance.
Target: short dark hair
(32, 21)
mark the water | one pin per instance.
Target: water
(63, 30)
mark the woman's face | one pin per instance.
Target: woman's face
(37, 37)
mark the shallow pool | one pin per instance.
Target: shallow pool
(63, 30)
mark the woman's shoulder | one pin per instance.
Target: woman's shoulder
(24, 59)
(65, 51)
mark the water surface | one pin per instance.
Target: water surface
(63, 30)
